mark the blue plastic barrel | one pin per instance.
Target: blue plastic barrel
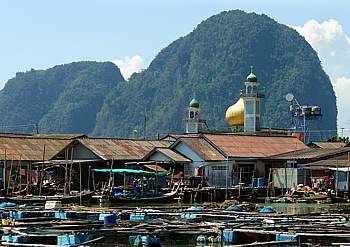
(109, 219)
(261, 182)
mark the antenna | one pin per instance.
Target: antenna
(303, 116)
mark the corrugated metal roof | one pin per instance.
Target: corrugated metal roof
(173, 155)
(251, 146)
(59, 136)
(341, 160)
(203, 148)
(121, 149)
(14, 135)
(310, 154)
(30, 149)
(175, 137)
(327, 144)
(155, 168)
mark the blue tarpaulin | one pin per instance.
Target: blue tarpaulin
(122, 171)
(129, 171)
(267, 209)
(236, 208)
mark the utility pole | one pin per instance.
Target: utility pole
(144, 127)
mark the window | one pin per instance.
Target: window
(219, 168)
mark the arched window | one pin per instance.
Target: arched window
(191, 114)
(249, 89)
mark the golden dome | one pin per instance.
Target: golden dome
(235, 113)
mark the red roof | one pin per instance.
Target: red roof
(203, 148)
(155, 168)
(30, 149)
(121, 149)
(253, 146)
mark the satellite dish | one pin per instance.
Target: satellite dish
(289, 97)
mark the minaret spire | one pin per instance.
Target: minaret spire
(194, 124)
(251, 99)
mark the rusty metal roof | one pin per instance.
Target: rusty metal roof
(30, 149)
(155, 168)
(59, 136)
(326, 144)
(339, 160)
(14, 135)
(203, 148)
(121, 149)
(311, 154)
(254, 146)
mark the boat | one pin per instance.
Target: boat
(166, 197)
(311, 197)
(138, 189)
(84, 197)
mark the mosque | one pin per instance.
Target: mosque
(230, 158)
(243, 116)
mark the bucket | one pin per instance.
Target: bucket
(109, 219)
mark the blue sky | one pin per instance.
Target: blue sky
(40, 34)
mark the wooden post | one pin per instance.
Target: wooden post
(9, 180)
(18, 173)
(226, 194)
(5, 180)
(66, 171)
(124, 184)
(89, 175)
(269, 183)
(337, 181)
(70, 171)
(156, 177)
(240, 181)
(80, 198)
(29, 177)
(347, 175)
(41, 172)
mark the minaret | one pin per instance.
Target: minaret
(194, 124)
(251, 99)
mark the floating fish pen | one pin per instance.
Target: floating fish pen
(187, 225)
(213, 194)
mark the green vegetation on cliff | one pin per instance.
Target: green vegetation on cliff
(63, 99)
(211, 62)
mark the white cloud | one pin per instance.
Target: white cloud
(326, 32)
(342, 89)
(343, 84)
(333, 48)
(128, 66)
(331, 44)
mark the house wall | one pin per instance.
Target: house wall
(219, 175)
(160, 157)
(197, 161)
(260, 169)
(244, 172)
(11, 168)
(81, 152)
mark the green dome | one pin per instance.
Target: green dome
(194, 103)
(252, 78)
